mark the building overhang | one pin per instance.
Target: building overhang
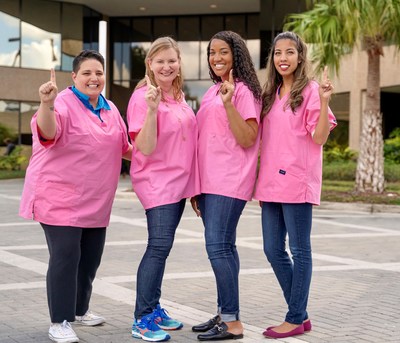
(118, 8)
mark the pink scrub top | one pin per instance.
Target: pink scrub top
(225, 167)
(170, 173)
(290, 162)
(71, 180)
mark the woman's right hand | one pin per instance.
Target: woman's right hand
(48, 91)
(153, 95)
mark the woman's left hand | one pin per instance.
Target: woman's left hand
(325, 87)
(195, 205)
(227, 88)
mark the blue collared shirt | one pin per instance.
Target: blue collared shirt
(101, 103)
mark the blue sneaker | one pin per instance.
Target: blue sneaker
(147, 329)
(164, 321)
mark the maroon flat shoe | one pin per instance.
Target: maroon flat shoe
(273, 334)
(306, 324)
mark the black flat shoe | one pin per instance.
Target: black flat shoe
(218, 333)
(203, 327)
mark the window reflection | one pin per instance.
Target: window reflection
(9, 40)
(190, 55)
(204, 70)
(194, 91)
(28, 109)
(39, 48)
(254, 48)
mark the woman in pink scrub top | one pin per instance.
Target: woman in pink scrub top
(228, 122)
(79, 139)
(164, 173)
(296, 124)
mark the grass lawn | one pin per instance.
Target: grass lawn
(11, 174)
(343, 191)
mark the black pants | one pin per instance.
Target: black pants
(75, 255)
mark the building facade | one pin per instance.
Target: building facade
(37, 35)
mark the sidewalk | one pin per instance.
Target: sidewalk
(354, 293)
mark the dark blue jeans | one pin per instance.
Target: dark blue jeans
(220, 215)
(294, 275)
(162, 222)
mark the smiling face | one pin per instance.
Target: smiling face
(286, 57)
(220, 58)
(165, 66)
(89, 79)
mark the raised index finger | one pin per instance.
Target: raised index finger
(325, 74)
(53, 75)
(148, 82)
(231, 80)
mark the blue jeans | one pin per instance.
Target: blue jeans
(220, 215)
(294, 276)
(162, 222)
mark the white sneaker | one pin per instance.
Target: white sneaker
(89, 319)
(62, 333)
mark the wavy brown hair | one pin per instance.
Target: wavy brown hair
(158, 45)
(274, 79)
(243, 67)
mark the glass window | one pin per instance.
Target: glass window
(141, 29)
(236, 23)
(40, 34)
(190, 55)
(164, 26)
(210, 25)
(253, 26)
(204, 70)
(39, 49)
(91, 28)
(9, 111)
(138, 55)
(121, 52)
(189, 28)
(28, 109)
(72, 34)
(194, 91)
(9, 40)
(254, 48)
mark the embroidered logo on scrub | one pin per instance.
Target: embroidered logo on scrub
(281, 171)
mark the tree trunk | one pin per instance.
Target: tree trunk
(370, 172)
(370, 166)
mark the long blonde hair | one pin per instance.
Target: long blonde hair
(158, 45)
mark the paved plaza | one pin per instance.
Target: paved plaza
(355, 291)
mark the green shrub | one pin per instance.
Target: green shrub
(346, 171)
(335, 152)
(391, 147)
(13, 161)
(6, 132)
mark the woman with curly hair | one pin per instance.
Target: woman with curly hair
(297, 121)
(228, 144)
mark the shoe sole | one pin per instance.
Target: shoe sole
(63, 340)
(170, 328)
(92, 323)
(148, 339)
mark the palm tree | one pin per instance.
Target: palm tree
(336, 27)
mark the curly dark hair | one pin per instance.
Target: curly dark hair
(274, 79)
(86, 55)
(243, 67)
